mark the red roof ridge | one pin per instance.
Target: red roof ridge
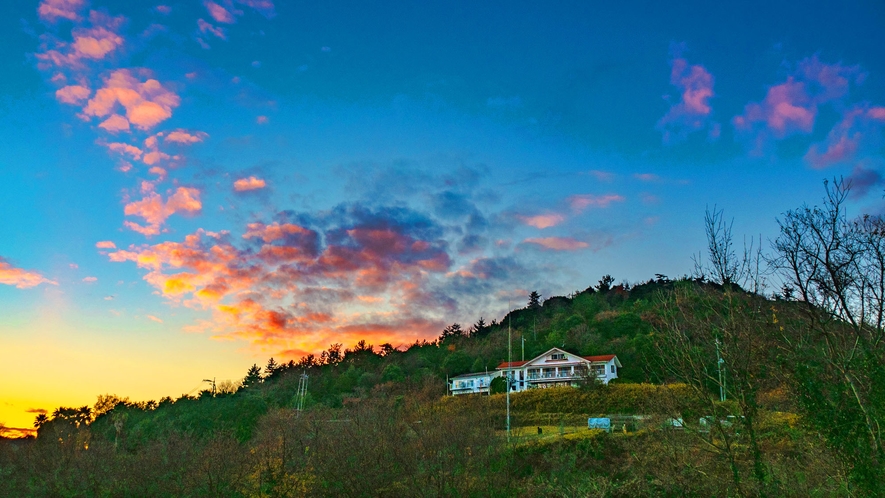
(512, 364)
(599, 357)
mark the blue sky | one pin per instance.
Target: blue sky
(202, 185)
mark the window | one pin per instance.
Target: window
(557, 356)
(612, 368)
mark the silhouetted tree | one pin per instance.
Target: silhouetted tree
(453, 330)
(605, 283)
(479, 328)
(253, 376)
(271, 368)
(534, 300)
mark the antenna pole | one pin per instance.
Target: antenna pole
(509, 365)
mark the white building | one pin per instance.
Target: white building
(553, 368)
(472, 383)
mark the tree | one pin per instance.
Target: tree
(40, 419)
(271, 368)
(534, 300)
(253, 376)
(453, 330)
(836, 355)
(605, 283)
(479, 328)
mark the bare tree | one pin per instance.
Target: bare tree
(836, 355)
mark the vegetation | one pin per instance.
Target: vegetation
(724, 392)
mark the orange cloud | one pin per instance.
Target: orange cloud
(22, 279)
(105, 244)
(250, 183)
(72, 94)
(115, 123)
(558, 243)
(146, 103)
(153, 318)
(155, 210)
(542, 220)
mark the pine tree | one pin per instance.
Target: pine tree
(534, 300)
(253, 376)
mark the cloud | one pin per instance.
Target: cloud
(185, 137)
(163, 9)
(862, 179)
(105, 244)
(124, 149)
(558, 243)
(542, 220)
(579, 203)
(89, 43)
(53, 10)
(219, 13)
(603, 176)
(263, 7)
(37, 410)
(155, 210)
(292, 283)
(692, 112)
(115, 124)
(250, 183)
(261, 120)
(89, 280)
(22, 279)
(146, 103)
(153, 318)
(860, 129)
(791, 107)
(205, 27)
(72, 94)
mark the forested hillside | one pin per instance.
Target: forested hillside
(724, 391)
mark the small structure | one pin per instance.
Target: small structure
(556, 367)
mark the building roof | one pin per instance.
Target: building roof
(512, 364)
(596, 358)
(599, 357)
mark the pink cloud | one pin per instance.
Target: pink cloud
(558, 243)
(859, 129)
(263, 7)
(261, 120)
(185, 137)
(692, 111)
(72, 94)
(205, 27)
(53, 10)
(146, 103)
(155, 210)
(163, 9)
(791, 107)
(89, 43)
(579, 203)
(90, 280)
(115, 124)
(153, 318)
(125, 149)
(542, 220)
(105, 244)
(219, 13)
(22, 279)
(250, 183)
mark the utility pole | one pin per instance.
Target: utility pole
(719, 362)
(213, 385)
(509, 366)
(301, 393)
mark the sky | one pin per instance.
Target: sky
(188, 188)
